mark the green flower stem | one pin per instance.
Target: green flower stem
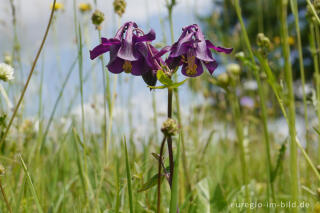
(266, 67)
(291, 105)
(295, 11)
(239, 131)
(313, 46)
(159, 175)
(169, 139)
(106, 91)
(261, 93)
(176, 94)
(5, 198)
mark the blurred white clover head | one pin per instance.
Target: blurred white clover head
(6, 72)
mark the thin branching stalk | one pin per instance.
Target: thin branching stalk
(29, 76)
(291, 104)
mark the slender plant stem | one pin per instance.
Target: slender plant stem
(33, 190)
(104, 98)
(169, 139)
(295, 11)
(176, 94)
(159, 175)
(239, 131)
(313, 46)
(80, 61)
(261, 93)
(5, 198)
(29, 76)
(291, 105)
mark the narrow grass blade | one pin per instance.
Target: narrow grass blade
(33, 190)
(128, 177)
(175, 183)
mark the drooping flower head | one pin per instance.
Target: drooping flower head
(129, 51)
(192, 50)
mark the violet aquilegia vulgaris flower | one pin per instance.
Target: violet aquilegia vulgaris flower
(192, 50)
(131, 52)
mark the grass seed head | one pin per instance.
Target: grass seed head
(97, 18)
(119, 7)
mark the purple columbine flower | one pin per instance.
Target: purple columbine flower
(129, 52)
(192, 50)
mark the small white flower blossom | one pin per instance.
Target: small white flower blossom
(6, 72)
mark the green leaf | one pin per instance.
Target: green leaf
(150, 183)
(171, 86)
(219, 200)
(163, 78)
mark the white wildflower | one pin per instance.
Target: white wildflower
(6, 72)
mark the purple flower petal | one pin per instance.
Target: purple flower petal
(174, 62)
(217, 48)
(116, 66)
(147, 37)
(199, 69)
(123, 28)
(103, 47)
(162, 52)
(211, 66)
(150, 78)
(182, 46)
(126, 50)
(139, 67)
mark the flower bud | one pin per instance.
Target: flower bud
(119, 7)
(6, 72)
(233, 69)
(264, 43)
(169, 127)
(223, 79)
(97, 17)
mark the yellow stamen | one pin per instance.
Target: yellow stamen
(191, 65)
(127, 66)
